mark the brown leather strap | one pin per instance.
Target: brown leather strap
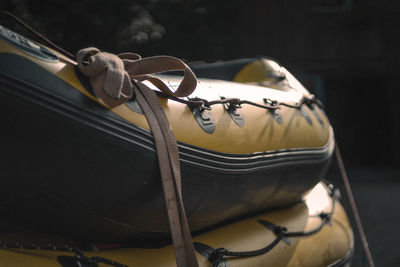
(109, 74)
(160, 64)
(168, 160)
(106, 73)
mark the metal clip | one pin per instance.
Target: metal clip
(234, 113)
(204, 118)
(274, 109)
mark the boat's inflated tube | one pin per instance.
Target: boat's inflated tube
(315, 232)
(71, 165)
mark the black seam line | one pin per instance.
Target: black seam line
(263, 167)
(89, 117)
(256, 155)
(268, 163)
(319, 153)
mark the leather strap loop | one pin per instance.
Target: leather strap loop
(159, 64)
(110, 77)
(110, 74)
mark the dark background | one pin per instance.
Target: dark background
(345, 51)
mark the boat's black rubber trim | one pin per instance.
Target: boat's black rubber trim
(57, 95)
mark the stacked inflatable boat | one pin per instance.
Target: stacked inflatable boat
(76, 170)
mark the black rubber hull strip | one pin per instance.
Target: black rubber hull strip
(72, 167)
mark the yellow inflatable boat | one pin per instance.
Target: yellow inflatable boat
(83, 176)
(74, 166)
(314, 232)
